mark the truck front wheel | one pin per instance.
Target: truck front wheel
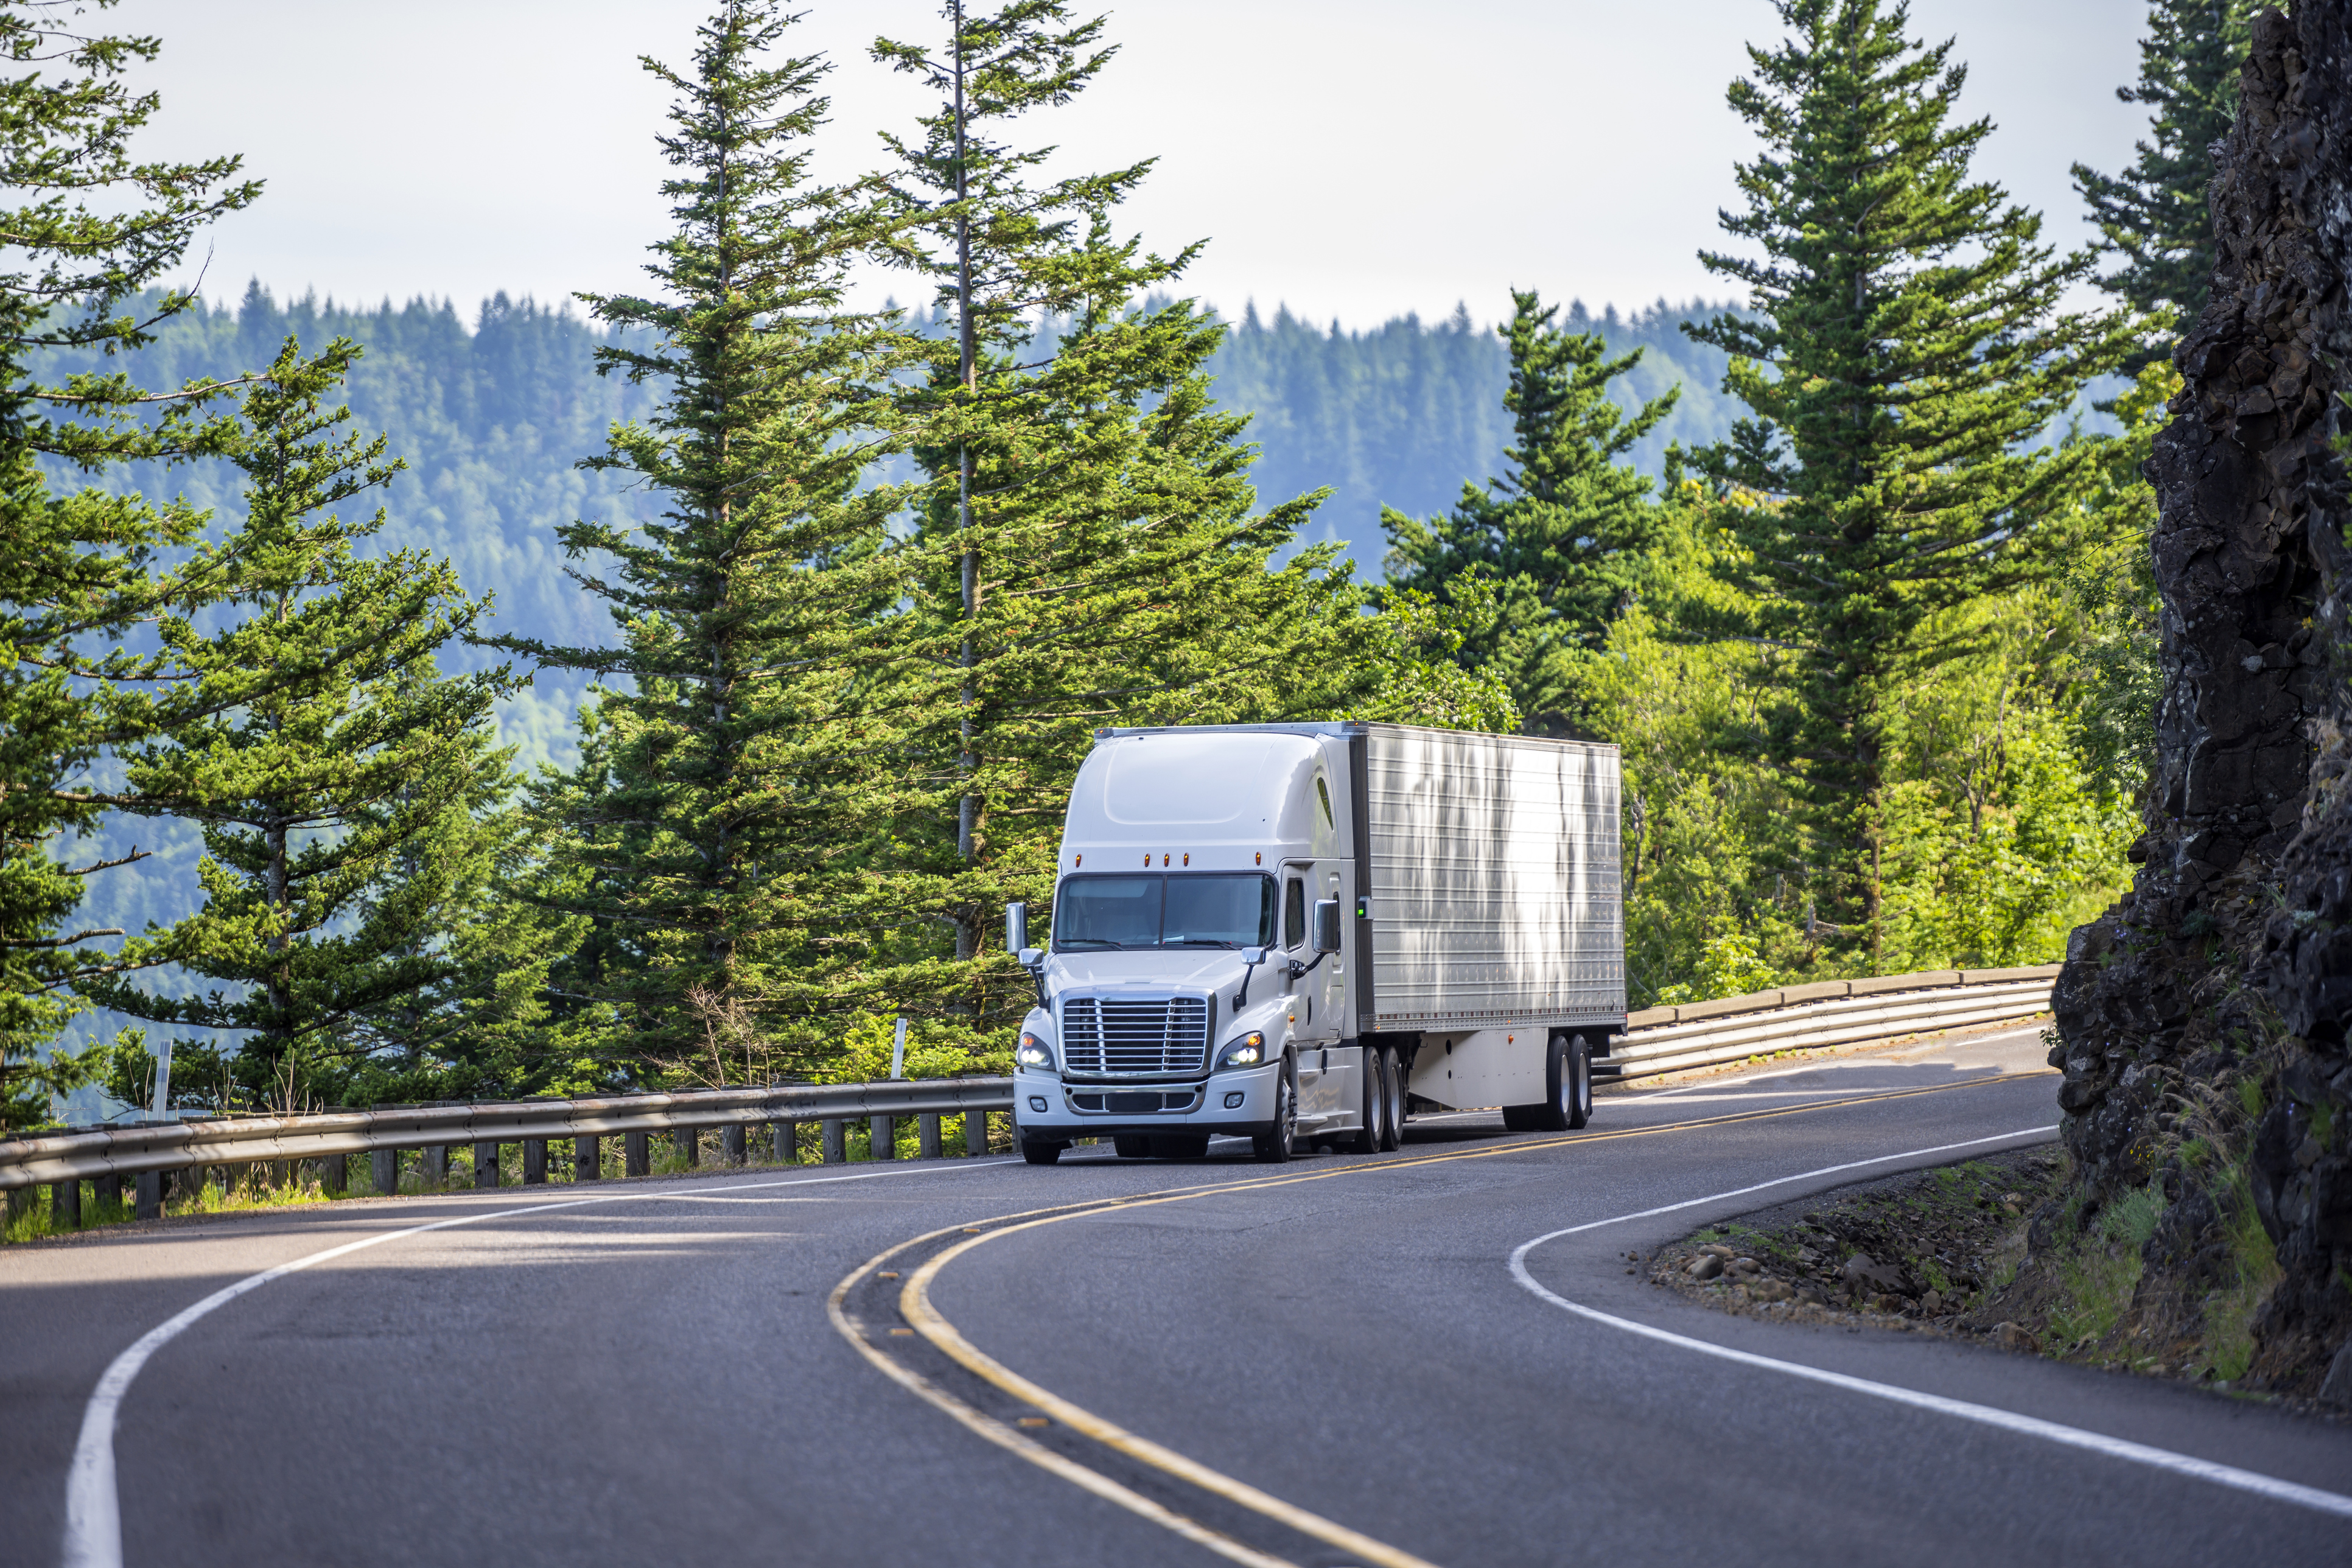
(1275, 1145)
(1393, 1073)
(1373, 1099)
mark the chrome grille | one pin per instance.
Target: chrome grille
(1103, 1035)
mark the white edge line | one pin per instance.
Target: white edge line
(93, 1537)
(1985, 1415)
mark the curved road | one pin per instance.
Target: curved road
(1342, 1360)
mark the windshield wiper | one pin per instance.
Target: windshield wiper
(1069, 942)
(1201, 941)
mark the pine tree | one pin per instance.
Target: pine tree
(2154, 216)
(479, 1022)
(1906, 352)
(1091, 554)
(325, 746)
(1562, 538)
(715, 799)
(91, 230)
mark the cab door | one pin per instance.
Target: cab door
(1320, 997)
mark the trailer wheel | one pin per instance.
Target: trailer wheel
(1392, 1075)
(1041, 1153)
(1579, 1059)
(1568, 1089)
(1373, 1101)
(1275, 1145)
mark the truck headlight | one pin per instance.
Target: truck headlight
(1246, 1052)
(1034, 1053)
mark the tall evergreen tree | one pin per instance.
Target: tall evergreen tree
(2154, 215)
(310, 791)
(1562, 537)
(714, 797)
(1091, 554)
(1906, 352)
(91, 229)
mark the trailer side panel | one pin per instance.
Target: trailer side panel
(1494, 891)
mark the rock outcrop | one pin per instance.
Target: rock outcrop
(2203, 1017)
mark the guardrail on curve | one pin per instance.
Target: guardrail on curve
(147, 1150)
(1658, 1040)
(1827, 1013)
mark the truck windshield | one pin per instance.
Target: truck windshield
(1107, 913)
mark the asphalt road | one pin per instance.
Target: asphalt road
(1327, 1362)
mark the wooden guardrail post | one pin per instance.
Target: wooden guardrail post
(433, 1164)
(687, 1143)
(149, 1194)
(65, 1204)
(975, 1131)
(927, 1135)
(784, 1142)
(587, 1158)
(832, 1130)
(881, 1140)
(486, 1164)
(335, 1175)
(636, 1159)
(383, 1170)
(731, 1144)
(107, 1189)
(534, 1162)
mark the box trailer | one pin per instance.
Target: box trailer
(1304, 933)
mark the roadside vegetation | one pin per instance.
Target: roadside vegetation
(1996, 1250)
(1879, 669)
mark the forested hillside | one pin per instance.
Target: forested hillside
(493, 413)
(1404, 414)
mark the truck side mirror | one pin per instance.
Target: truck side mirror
(1030, 957)
(1327, 925)
(1016, 927)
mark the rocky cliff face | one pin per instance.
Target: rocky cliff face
(2203, 1017)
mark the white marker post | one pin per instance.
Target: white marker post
(163, 1111)
(899, 1052)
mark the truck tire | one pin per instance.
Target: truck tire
(1392, 1071)
(1132, 1145)
(1041, 1153)
(1579, 1108)
(1275, 1145)
(1568, 1087)
(1374, 1102)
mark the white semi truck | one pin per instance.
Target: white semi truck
(1301, 933)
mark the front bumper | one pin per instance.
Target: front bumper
(1046, 1110)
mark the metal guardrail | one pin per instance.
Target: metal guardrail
(1829, 1013)
(146, 1151)
(1658, 1040)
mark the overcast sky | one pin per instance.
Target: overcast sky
(1353, 160)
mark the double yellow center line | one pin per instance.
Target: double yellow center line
(916, 1311)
